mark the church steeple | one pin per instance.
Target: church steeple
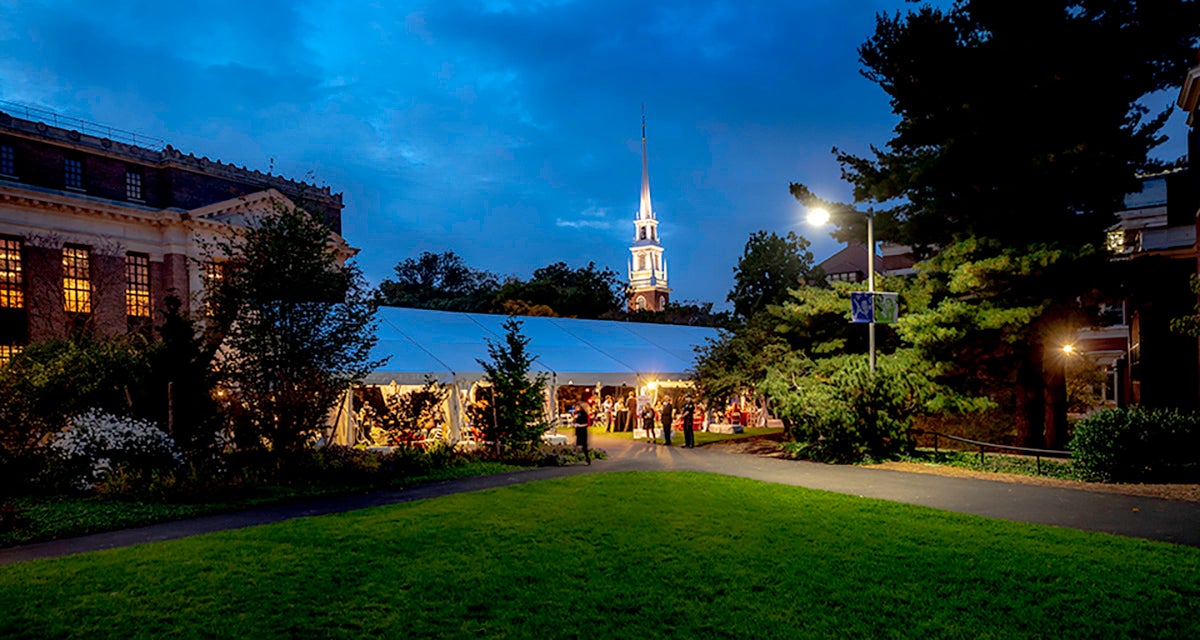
(644, 211)
(647, 267)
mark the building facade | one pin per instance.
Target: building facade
(98, 227)
(648, 288)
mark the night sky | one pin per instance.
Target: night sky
(508, 132)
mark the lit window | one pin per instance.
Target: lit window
(137, 285)
(73, 173)
(640, 303)
(214, 273)
(133, 185)
(77, 285)
(8, 161)
(8, 352)
(13, 320)
(12, 294)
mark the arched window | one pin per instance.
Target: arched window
(640, 303)
(643, 233)
(662, 303)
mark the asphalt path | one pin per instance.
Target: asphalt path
(1141, 517)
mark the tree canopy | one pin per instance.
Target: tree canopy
(770, 265)
(440, 281)
(1020, 121)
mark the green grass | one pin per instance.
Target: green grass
(57, 517)
(620, 555)
(996, 462)
(702, 437)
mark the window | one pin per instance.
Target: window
(643, 233)
(214, 273)
(641, 263)
(639, 303)
(73, 173)
(12, 292)
(8, 161)
(77, 284)
(13, 324)
(137, 285)
(133, 185)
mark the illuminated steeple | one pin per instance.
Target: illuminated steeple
(647, 267)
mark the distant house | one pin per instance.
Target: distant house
(98, 225)
(850, 264)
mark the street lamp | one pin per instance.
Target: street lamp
(818, 216)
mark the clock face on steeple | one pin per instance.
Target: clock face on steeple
(647, 267)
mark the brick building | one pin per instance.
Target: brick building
(98, 226)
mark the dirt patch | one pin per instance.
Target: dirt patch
(769, 446)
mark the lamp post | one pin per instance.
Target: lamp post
(817, 217)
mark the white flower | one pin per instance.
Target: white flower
(99, 441)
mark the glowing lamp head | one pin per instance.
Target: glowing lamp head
(1068, 349)
(817, 216)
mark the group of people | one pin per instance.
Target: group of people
(622, 415)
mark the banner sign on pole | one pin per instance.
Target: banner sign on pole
(880, 307)
(862, 307)
(887, 307)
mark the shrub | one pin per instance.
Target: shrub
(1138, 445)
(48, 382)
(411, 417)
(839, 411)
(98, 443)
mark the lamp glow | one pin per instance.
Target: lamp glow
(817, 216)
(1068, 349)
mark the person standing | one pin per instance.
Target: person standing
(666, 414)
(581, 424)
(608, 413)
(631, 408)
(689, 417)
(648, 422)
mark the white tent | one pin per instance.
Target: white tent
(446, 346)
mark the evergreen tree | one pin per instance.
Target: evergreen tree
(515, 398)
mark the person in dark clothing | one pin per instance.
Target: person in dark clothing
(622, 413)
(667, 413)
(631, 407)
(581, 420)
(689, 417)
(648, 422)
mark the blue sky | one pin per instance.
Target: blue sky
(508, 132)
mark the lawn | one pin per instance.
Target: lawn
(56, 517)
(620, 555)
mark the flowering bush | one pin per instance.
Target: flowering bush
(98, 443)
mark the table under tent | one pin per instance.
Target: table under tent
(421, 345)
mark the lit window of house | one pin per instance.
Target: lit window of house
(12, 292)
(133, 185)
(13, 332)
(8, 160)
(214, 273)
(137, 285)
(77, 284)
(73, 173)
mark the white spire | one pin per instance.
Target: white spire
(644, 211)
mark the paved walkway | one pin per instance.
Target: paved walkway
(1151, 518)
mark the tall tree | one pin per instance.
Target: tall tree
(582, 292)
(296, 327)
(770, 265)
(440, 281)
(515, 399)
(1021, 129)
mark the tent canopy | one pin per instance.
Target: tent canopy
(447, 346)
